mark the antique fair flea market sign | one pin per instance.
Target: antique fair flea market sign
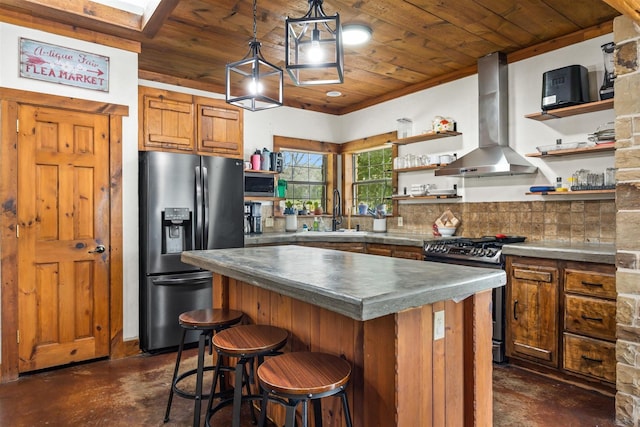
(56, 64)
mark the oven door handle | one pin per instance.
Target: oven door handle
(515, 313)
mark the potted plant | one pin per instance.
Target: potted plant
(291, 217)
(289, 209)
(317, 209)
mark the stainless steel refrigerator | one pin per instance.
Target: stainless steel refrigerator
(186, 202)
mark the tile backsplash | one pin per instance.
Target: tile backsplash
(576, 221)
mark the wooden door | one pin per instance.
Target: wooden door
(532, 311)
(63, 217)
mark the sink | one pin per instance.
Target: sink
(333, 233)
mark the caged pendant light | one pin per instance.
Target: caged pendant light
(313, 47)
(254, 83)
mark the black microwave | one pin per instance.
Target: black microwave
(259, 184)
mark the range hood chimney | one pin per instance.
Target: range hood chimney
(493, 156)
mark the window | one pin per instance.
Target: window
(306, 176)
(372, 178)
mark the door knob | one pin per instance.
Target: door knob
(99, 249)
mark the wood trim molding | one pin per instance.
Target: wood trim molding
(280, 142)
(8, 221)
(29, 21)
(368, 143)
(627, 7)
(33, 98)
(9, 102)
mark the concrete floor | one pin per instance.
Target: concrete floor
(133, 392)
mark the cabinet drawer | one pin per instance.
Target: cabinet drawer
(590, 316)
(590, 357)
(590, 283)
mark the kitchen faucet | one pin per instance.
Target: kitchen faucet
(336, 211)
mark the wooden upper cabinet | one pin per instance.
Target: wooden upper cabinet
(219, 128)
(166, 120)
(180, 122)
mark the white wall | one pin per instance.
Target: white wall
(123, 89)
(457, 99)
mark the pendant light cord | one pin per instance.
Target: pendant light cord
(255, 25)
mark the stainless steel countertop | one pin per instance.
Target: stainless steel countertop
(359, 286)
(585, 252)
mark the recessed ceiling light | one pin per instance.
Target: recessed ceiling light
(334, 93)
(355, 34)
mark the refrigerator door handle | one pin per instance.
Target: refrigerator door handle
(198, 209)
(181, 282)
(205, 207)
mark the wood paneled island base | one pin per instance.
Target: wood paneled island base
(401, 376)
(378, 313)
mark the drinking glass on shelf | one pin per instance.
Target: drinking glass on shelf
(610, 177)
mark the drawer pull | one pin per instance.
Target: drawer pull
(515, 313)
(595, 319)
(591, 359)
(593, 285)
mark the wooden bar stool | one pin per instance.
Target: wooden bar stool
(302, 377)
(245, 343)
(209, 322)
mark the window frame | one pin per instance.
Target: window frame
(362, 145)
(331, 150)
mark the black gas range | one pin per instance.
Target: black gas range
(481, 251)
(478, 252)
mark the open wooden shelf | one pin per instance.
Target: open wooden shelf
(574, 110)
(425, 137)
(609, 146)
(266, 172)
(443, 196)
(420, 168)
(262, 199)
(572, 193)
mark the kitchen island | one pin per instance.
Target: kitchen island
(378, 313)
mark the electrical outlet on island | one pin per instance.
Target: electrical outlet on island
(438, 325)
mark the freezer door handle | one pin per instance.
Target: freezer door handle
(181, 282)
(198, 208)
(205, 207)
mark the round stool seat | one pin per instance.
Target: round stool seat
(209, 318)
(303, 377)
(250, 339)
(304, 373)
(208, 322)
(245, 343)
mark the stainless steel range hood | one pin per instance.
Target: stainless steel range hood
(493, 156)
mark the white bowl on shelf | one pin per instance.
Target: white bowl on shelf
(447, 231)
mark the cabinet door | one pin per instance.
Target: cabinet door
(220, 128)
(382, 250)
(167, 120)
(347, 247)
(408, 252)
(532, 310)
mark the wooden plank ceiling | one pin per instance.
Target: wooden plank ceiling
(416, 43)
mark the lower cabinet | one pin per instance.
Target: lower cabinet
(589, 337)
(532, 310)
(562, 314)
(339, 246)
(396, 251)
